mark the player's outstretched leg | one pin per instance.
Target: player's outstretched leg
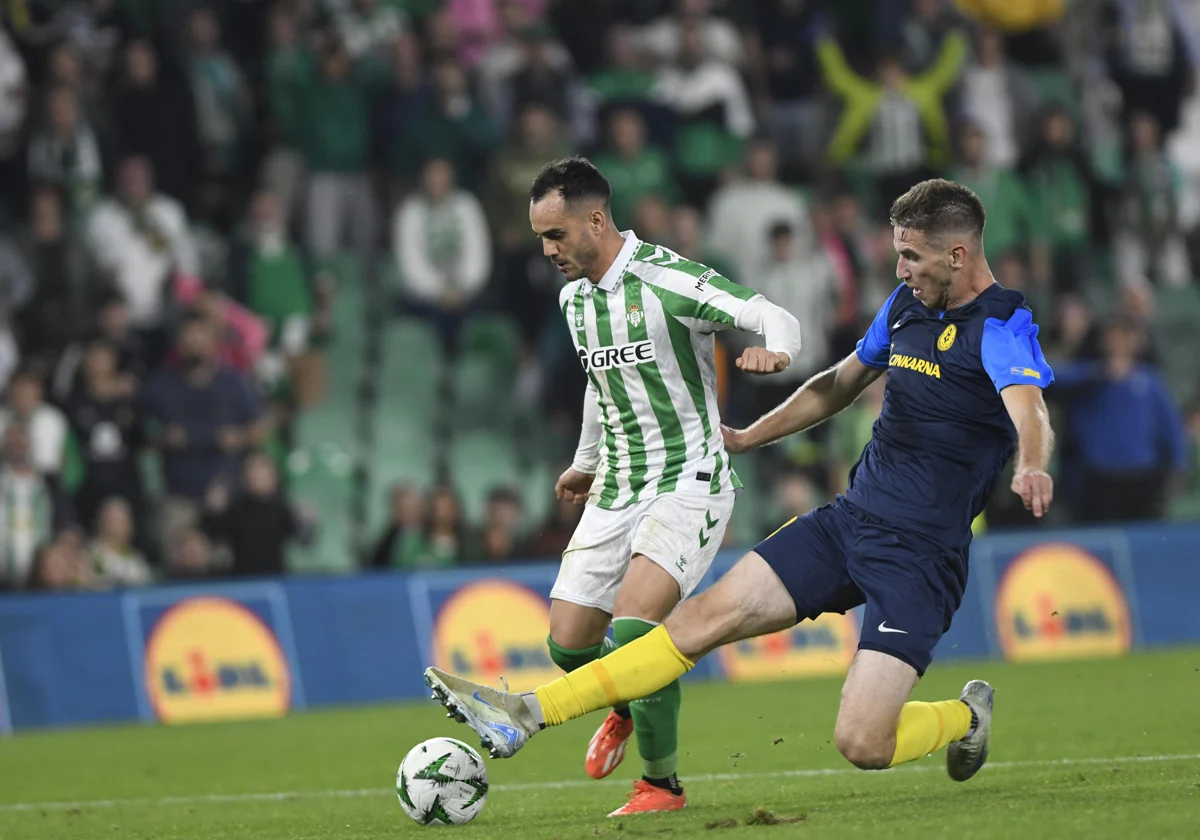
(965, 756)
(747, 601)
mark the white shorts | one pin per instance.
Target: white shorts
(681, 533)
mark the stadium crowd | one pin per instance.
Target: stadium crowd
(179, 180)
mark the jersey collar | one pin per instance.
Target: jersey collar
(612, 277)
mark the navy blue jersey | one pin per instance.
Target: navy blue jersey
(943, 436)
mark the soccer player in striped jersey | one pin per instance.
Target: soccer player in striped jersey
(651, 463)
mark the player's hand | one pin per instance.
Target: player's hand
(735, 440)
(1036, 489)
(573, 486)
(762, 361)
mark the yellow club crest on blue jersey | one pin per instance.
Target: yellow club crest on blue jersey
(946, 339)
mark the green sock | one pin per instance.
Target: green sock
(569, 659)
(655, 717)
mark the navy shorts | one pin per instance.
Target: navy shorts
(836, 557)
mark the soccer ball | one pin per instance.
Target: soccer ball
(442, 782)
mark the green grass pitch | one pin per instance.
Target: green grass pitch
(1092, 749)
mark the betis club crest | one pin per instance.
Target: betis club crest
(635, 315)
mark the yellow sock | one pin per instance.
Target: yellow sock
(639, 668)
(925, 727)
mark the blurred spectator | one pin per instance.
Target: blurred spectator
(155, 118)
(625, 79)
(742, 213)
(223, 106)
(631, 167)
(204, 416)
(712, 112)
(189, 555)
(1153, 51)
(57, 310)
(10, 355)
(796, 494)
(900, 115)
(923, 32)
(442, 248)
(443, 530)
(652, 218)
(1126, 432)
(17, 282)
(687, 238)
(803, 284)
(257, 522)
(64, 152)
(1001, 100)
(450, 125)
(1010, 218)
(663, 39)
(32, 509)
(508, 55)
(1061, 188)
(529, 282)
(1149, 241)
(45, 424)
(555, 534)
(59, 566)
(112, 324)
(499, 539)
(113, 559)
(13, 100)
(788, 78)
(288, 63)
(540, 80)
(102, 412)
(335, 136)
(141, 239)
(400, 102)
(368, 26)
(269, 277)
(402, 544)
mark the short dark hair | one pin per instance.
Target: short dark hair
(938, 206)
(574, 178)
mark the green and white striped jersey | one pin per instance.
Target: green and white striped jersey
(644, 335)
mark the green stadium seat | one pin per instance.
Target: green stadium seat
(320, 478)
(494, 337)
(482, 394)
(478, 463)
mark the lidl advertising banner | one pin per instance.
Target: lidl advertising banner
(1061, 601)
(223, 651)
(494, 628)
(214, 657)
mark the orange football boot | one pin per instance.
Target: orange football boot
(645, 798)
(607, 747)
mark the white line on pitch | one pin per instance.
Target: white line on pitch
(222, 798)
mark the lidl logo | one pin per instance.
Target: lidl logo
(1059, 602)
(213, 659)
(493, 628)
(812, 648)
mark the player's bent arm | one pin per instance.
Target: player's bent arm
(814, 402)
(778, 327)
(1035, 438)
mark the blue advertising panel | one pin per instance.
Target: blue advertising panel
(238, 650)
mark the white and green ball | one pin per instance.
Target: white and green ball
(442, 782)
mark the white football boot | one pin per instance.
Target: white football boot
(502, 719)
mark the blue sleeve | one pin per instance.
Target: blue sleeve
(874, 347)
(1011, 353)
(1171, 431)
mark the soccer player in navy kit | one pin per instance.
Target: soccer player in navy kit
(964, 391)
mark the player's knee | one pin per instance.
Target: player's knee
(863, 750)
(571, 658)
